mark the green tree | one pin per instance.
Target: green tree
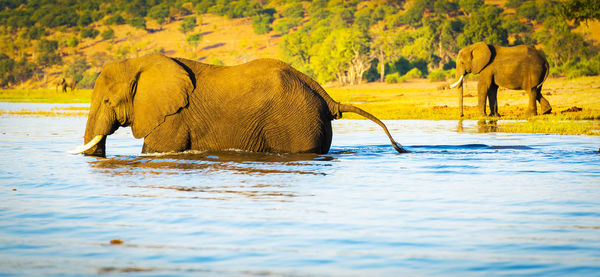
(76, 69)
(47, 54)
(580, 10)
(194, 40)
(115, 19)
(108, 34)
(138, 22)
(160, 13)
(188, 24)
(484, 25)
(89, 33)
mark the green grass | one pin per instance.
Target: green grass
(45, 96)
(418, 99)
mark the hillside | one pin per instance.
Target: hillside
(309, 35)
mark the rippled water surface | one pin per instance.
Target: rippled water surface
(460, 204)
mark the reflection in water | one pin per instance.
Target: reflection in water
(240, 162)
(202, 165)
(487, 126)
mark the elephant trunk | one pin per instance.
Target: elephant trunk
(101, 123)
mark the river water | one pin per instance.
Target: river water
(461, 204)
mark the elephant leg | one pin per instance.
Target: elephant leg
(171, 136)
(493, 99)
(483, 87)
(545, 105)
(532, 109)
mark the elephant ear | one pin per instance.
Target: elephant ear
(481, 57)
(161, 89)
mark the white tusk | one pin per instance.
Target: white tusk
(457, 82)
(87, 146)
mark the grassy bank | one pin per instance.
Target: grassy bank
(45, 96)
(419, 99)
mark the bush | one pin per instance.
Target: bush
(194, 40)
(440, 75)
(88, 80)
(393, 78)
(138, 22)
(188, 24)
(437, 76)
(413, 73)
(89, 33)
(588, 67)
(115, 19)
(108, 34)
(262, 23)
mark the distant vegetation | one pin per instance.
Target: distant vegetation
(348, 41)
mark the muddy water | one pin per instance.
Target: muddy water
(460, 204)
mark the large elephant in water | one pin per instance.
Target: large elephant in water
(177, 104)
(517, 67)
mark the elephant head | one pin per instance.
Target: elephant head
(471, 59)
(137, 92)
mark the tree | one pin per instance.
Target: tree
(384, 46)
(484, 25)
(160, 13)
(262, 23)
(76, 69)
(194, 40)
(343, 55)
(108, 34)
(580, 10)
(188, 24)
(47, 54)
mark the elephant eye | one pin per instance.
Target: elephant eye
(106, 101)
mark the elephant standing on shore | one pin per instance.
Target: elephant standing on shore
(65, 83)
(517, 67)
(177, 104)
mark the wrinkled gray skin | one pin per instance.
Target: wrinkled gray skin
(177, 104)
(518, 67)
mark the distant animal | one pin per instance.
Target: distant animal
(65, 83)
(177, 104)
(517, 67)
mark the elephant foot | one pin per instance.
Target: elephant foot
(495, 115)
(548, 111)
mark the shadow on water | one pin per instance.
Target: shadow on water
(236, 162)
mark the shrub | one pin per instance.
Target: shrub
(441, 75)
(393, 78)
(413, 73)
(88, 80)
(89, 33)
(194, 39)
(262, 23)
(115, 19)
(108, 34)
(138, 22)
(437, 76)
(188, 24)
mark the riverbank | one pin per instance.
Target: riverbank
(575, 103)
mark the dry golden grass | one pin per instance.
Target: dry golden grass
(415, 99)
(421, 99)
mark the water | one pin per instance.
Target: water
(461, 204)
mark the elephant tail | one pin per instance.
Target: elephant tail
(547, 68)
(356, 110)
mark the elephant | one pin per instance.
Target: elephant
(517, 67)
(177, 104)
(65, 83)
